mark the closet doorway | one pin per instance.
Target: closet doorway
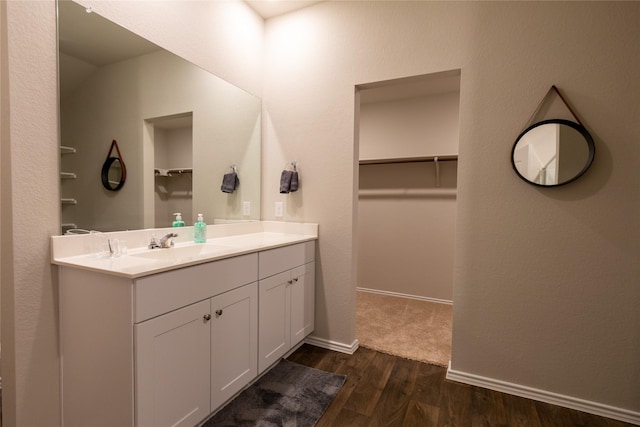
(408, 152)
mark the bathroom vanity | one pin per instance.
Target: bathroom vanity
(167, 336)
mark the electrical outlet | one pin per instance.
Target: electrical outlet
(246, 208)
(279, 209)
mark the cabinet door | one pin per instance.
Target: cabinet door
(234, 342)
(274, 317)
(302, 302)
(172, 356)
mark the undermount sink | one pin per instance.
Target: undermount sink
(182, 252)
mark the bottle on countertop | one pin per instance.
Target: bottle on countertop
(200, 230)
(178, 222)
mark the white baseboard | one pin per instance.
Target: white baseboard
(545, 396)
(332, 345)
(401, 295)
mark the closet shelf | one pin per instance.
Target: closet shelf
(435, 159)
(172, 171)
(433, 193)
(409, 159)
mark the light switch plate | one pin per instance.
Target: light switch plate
(279, 209)
(246, 208)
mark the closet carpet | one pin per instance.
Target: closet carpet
(413, 329)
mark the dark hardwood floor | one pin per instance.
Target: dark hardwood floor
(384, 390)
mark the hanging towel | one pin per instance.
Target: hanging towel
(294, 181)
(229, 182)
(285, 181)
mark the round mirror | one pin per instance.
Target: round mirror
(113, 174)
(552, 152)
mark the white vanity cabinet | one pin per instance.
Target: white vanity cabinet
(286, 300)
(169, 348)
(190, 361)
(160, 350)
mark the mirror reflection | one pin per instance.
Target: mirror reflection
(553, 152)
(179, 128)
(113, 176)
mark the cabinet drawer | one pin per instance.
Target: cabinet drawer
(274, 261)
(164, 292)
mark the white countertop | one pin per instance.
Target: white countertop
(228, 241)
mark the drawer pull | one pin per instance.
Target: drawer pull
(207, 317)
(218, 313)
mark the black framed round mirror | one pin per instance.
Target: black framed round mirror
(552, 152)
(113, 174)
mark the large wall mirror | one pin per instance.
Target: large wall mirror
(178, 127)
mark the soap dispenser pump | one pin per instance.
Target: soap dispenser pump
(200, 230)
(178, 222)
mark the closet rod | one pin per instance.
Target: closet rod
(438, 193)
(409, 160)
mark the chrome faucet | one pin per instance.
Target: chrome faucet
(164, 242)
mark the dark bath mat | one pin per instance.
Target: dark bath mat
(289, 395)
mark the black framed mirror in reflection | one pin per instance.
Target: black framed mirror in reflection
(165, 113)
(552, 152)
(113, 174)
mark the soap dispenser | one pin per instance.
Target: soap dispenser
(178, 222)
(200, 230)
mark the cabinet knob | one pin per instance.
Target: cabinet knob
(296, 279)
(207, 317)
(218, 313)
(289, 281)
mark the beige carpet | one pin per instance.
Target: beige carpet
(413, 329)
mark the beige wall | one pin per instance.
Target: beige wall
(30, 215)
(4, 195)
(421, 126)
(222, 37)
(545, 288)
(406, 229)
(545, 282)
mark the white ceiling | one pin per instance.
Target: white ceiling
(270, 8)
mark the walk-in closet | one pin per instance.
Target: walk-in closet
(408, 162)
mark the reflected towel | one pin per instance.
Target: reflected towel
(285, 181)
(294, 182)
(229, 182)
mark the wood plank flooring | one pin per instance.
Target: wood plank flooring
(384, 390)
